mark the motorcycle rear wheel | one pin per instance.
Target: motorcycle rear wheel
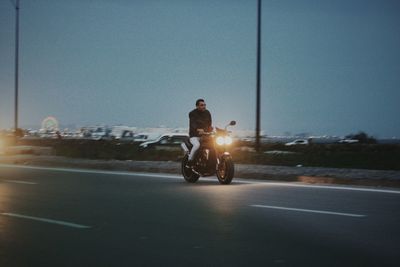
(225, 171)
(187, 173)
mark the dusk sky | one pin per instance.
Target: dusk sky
(328, 67)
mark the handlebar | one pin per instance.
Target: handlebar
(214, 132)
(208, 133)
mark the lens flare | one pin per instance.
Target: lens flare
(220, 140)
(228, 140)
(224, 140)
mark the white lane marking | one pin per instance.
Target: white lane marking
(236, 180)
(19, 182)
(69, 224)
(288, 184)
(311, 211)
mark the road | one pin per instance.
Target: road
(71, 217)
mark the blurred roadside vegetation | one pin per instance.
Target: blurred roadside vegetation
(363, 156)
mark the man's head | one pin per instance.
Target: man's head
(200, 104)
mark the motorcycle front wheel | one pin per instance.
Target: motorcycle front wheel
(187, 173)
(225, 171)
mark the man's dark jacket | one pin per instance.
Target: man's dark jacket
(199, 120)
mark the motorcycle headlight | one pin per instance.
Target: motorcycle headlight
(224, 140)
(220, 140)
(228, 140)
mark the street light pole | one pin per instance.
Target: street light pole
(16, 63)
(258, 101)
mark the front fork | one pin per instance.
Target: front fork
(223, 157)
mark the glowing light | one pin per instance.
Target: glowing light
(220, 140)
(228, 140)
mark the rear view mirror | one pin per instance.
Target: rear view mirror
(232, 123)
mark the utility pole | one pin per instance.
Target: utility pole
(16, 63)
(16, 6)
(258, 101)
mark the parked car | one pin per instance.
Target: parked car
(127, 136)
(100, 133)
(297, 142)
(348, 141)
(167, 141)
(144, 137)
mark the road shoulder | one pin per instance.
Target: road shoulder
(311, 175)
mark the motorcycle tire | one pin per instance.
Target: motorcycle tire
(187, 173)
(225, 171)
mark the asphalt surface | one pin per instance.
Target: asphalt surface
(66, 217)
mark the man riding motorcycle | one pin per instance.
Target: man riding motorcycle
(199, 122)
(207, 153)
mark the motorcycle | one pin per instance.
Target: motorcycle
(211, 158)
